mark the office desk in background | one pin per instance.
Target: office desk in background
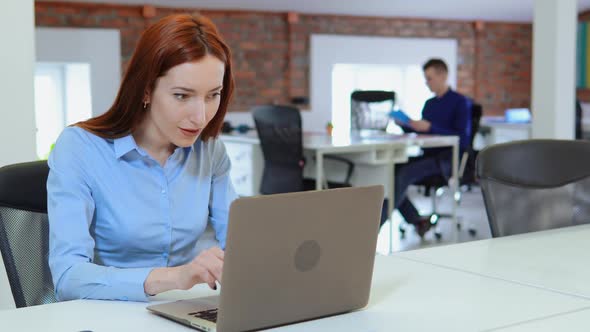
(374, 157)
(375, 150)
(405, 296)
(495, 130)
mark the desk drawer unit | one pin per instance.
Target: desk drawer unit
(246, 167)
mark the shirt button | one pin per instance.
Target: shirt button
(165, 255)
(163, 191)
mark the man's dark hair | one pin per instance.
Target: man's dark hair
(437, 64)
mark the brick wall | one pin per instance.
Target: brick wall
(271, 50)
(504, 65)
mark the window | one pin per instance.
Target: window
(362, 62)
(62, 97)
(407, 81)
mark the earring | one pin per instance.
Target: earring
(145, 104)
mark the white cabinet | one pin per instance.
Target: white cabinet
(247, 165)
(495, 132)
(509, 134)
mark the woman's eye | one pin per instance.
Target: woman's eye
(214, 95)
(180, 96)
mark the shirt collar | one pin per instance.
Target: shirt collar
(124, 145)
(449, 90)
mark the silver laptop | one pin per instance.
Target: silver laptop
(290, 258)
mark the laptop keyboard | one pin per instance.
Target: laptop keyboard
(210, 315)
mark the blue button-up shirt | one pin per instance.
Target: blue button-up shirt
(449, 114)
(115, 213)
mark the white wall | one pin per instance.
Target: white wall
(17, 121)
(327, 50)
(238, 118)
(554, 47)
(101, 48)
(245, 118)
(17, 58)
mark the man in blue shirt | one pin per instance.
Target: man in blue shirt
(447, 113)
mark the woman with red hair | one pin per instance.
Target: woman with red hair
(130, 192)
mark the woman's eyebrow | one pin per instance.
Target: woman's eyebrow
(183, 88)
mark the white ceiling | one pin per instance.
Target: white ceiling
(489, 10)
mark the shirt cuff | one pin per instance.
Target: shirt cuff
(131, 282)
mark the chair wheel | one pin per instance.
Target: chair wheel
(402, 231)
(434, 219)
(472, 232)
(459, 226)
(438, 235)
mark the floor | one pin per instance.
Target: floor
(470, 215)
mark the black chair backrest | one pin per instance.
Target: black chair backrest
(468, 176)
(579, 134)
(476, 114)
(24, 232)
(372, 96)
(361, 114)
(281, 139)
(535, 185)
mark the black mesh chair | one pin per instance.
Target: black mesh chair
(364, 112)
(434, 185)
(579, 134)
(535, 185)
(281, 139)
(24, 232)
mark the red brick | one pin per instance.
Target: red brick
(271, 57)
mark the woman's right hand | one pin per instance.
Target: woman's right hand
(206, 268)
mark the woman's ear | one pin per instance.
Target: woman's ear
(146, 97)
(146, 100)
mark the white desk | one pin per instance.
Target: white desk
(555, 260)
(381, 152)
(405, 296)
(575, 321)
(495, 130)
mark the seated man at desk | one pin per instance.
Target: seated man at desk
(447, 113)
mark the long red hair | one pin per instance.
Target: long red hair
(173, 40)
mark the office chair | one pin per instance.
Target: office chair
(281, 139)
(364, 113)
(434, 185)
(535, 185)
(24, 232)
(578, 117)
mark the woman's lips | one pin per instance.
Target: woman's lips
(190, 132)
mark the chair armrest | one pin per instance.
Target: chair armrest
(463, 164)
(349, 163)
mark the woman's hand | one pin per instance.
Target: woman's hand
(207, 268)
